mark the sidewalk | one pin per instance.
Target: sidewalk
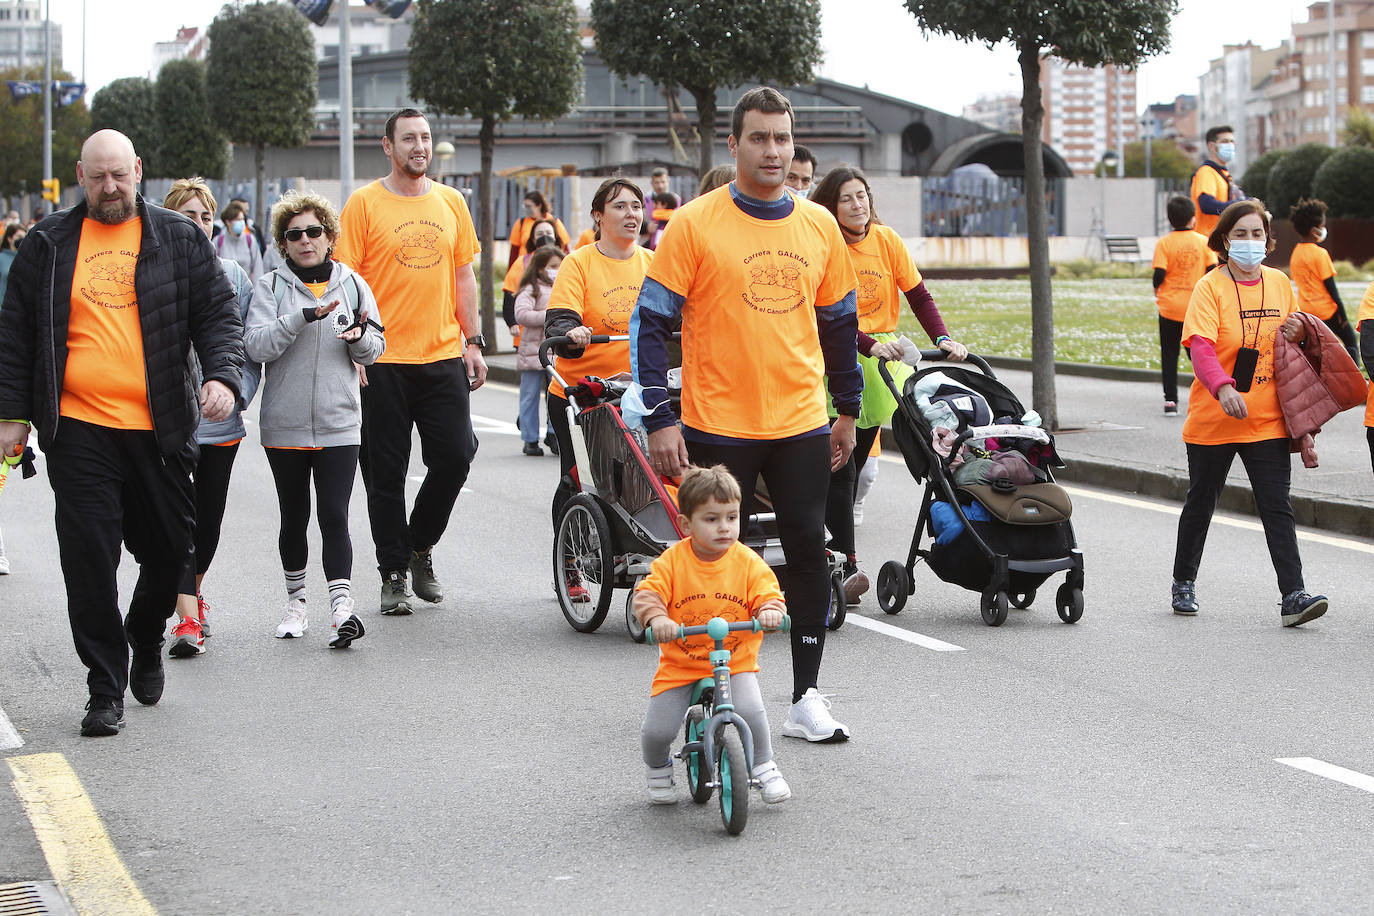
(1114, 434)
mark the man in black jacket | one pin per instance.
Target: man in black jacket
(104, 303)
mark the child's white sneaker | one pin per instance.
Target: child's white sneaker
(660, 782)
(774, 788)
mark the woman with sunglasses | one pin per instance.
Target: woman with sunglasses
(310, 321)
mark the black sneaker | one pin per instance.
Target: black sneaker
(1299, 607)
(422, 577)
(395, 595)
(1170, 409)
(552, 442)
(146, 677)
(104, 717)
(1184, 599)
(533, 450)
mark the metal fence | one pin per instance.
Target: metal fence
(976, 206)
(507, 198)
(1166, 188)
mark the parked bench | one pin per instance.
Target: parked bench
(1124, 248)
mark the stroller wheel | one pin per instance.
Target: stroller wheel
(995, 608)
(835, 614)
(1023, 600)
(892, 584)
(583, 564)
(1069, 602)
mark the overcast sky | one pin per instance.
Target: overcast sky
(873, 42)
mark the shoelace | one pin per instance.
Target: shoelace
(188, 626)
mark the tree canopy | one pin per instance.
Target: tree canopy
(1346, 182)
(127, 105)
(708, 45)
(21, 136)
(190, 142)
(1290, 179)
(1255, 181)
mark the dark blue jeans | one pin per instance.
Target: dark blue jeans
(1268, 466)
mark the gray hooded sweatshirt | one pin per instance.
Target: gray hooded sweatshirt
(310, 396)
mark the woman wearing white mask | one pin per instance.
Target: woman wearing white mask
(1233, 407)
(237, 242)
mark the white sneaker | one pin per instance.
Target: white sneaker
(858, 513)
(347, 627)
(810, 718)
(771, 784)
(660, 783)
(293, 623)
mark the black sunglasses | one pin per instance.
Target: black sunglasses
(294, 235)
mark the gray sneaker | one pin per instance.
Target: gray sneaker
(395, 594)
(422, 577)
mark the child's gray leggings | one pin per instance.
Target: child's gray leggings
(663, 719)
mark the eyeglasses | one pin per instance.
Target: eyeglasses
(294, 235)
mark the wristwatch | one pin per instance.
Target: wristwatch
(478, 341)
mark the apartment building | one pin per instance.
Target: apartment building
(1088, 110)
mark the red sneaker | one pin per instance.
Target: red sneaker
(577, 592)
(203, 607)
(188, 639)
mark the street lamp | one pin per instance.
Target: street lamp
(1109, 160)
(444, 150)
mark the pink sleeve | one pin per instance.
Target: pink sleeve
(1206, 366)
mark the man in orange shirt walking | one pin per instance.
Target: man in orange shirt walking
(104, 304)
(1213, 188)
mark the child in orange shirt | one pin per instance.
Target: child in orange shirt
(707, 574)
(1181, 258)
(1315, 276)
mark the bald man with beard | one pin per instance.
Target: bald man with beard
(104, 303)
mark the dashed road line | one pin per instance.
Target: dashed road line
(1329, 771)
(81, 857)
(887, 629)
(9, 737)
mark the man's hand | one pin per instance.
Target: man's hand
(13, 435)
(1232, 402)
(477, 367)
(216, 401)
(668, 451)
(841, 441)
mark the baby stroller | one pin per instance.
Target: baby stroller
(1002, 538)
(624, 514)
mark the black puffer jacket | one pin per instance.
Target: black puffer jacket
(184, 298)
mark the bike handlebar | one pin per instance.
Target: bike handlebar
(550, 342)
(716, 622)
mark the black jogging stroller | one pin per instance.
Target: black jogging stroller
(1018, 535)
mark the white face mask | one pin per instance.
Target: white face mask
(1321, 234)
(1226, 151)
(1246, 253)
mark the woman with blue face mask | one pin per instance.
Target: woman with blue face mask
(236, 242)
(1233, 407)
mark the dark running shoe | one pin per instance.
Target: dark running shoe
(1299, 607)
(552, 442)
(422, 577)
(104, 717)
(347, 626)
(395, 595)
(1184, 598)
(533, 450)
(146, 677)
(1170, 409)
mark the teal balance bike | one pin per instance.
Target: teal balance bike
(718, 747)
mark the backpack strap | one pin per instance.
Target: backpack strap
(278, 290)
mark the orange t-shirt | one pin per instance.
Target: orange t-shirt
(1366, 313)
(695, 590)
(1310, 267)
(603, 291)
(520, 229)
(1184, 256)
(1215, 314)
(751, 352)
(885, 271)
(1207, 180)
(586, 238)
(409, 249)
(106, 380)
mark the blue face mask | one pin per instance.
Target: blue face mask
(1226, 151)
(236, 226)
(1246, 253)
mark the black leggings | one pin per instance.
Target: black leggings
(1170, 339)
(1340, 326)
(212, 492)
(333, 469)
(567, 459)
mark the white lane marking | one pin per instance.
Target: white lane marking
(9, 738)
(1329, 771)
(887, 629)
(492, 425)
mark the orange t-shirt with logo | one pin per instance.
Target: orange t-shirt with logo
(106, 380)
(1215, 314)
(751, 353)
(603, 291)
(1310, 266)
(734, 586)
(1184, 257)
(1366, 313)
(1207, 180)
(408, 249)
(885, 271)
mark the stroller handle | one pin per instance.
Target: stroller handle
(936, 356)
(550, 342)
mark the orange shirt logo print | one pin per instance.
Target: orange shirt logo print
(620, 304)
(775, 286)
(869, 296)
(111, 284)
(1268, 321)
(419, 245)
(696, 612)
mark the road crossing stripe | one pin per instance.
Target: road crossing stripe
(9, 738)
(82, 859)
(887, 629)
(1329, 771)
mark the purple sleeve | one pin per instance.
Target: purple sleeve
(1206, 366)
(923, 306)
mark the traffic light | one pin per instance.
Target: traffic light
(52, 190)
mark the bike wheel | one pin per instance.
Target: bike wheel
(583, 564)
(631, 624)
(835, 613)
(696, 776)
(734, 781)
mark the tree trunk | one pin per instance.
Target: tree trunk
(259, 195)
(486, 230)
(1037, 237)
(706, 127)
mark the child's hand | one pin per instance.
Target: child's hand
(665, 630)
(770, 618)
